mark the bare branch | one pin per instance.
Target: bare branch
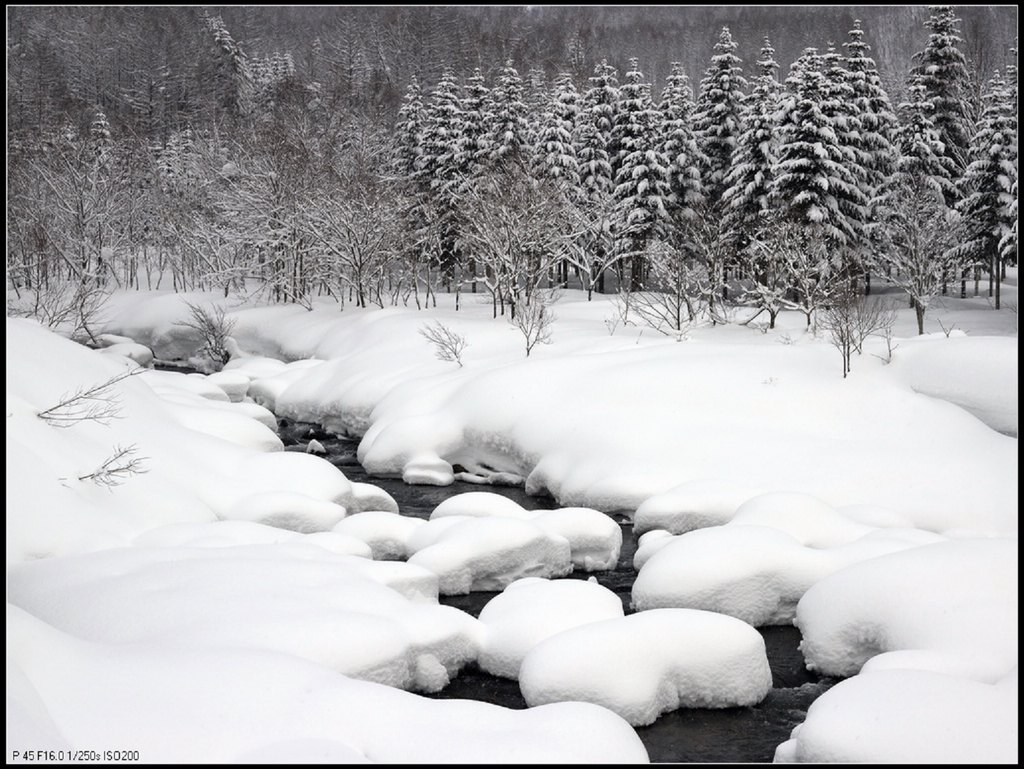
(99, 403)
(448, 345)
(117, 468)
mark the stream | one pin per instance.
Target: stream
(689, 735)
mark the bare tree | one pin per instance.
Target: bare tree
(117, 468)
(448, 344)
(849, 319)
(919, 236)
(534, 319)
(673, 293)
(99, 403)
(213, 328)
(516, 228)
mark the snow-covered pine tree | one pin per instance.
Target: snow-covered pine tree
(555, 156)
(749, 180)
(679, 144)
(878, 123)
(473, 146)
(811, 184)
(1008, 243)
(988, 182)
(842, 112)
(441, 130)
(408, 135)
(943, 71)
(535, 98)
(920, 152)
(509, 132)
(719, 120)
(600, 103)
(641, 182)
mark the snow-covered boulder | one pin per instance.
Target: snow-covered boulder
(909, 717)
(650, 663)
(489, 553)
(949, 607)
(531, 610)
(387, 534)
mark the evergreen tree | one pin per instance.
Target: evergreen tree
(408, 141)
(597, 118)
(921, 154)
(877, 122)
(441, 130)
(988, 182)
(556, 155)
(943, 72)
(679, 144)
(750, 176)
(472, 146)
(509, 134)
(719, 120)
(641, 186)
(811, 183)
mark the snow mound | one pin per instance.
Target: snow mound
(979, 374)
(138, 353)
(908, 716)
(266, 390)
(754, 573)
(294, 599)
(164, 382)
(650, 663)
(235, 384)
(387, 535)
(179, 705)
(648, 544)
(471, 554)
(949, 607)
(366, 496)
(286, 510)
(594, 539)
(255, 367)
(531, 610)
(691, 505)
(232, 422)
(480, 504)
(807, 519)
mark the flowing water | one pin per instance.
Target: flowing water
(688, 735)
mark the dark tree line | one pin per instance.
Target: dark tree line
(378, 154)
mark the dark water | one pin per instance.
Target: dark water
(740, 735)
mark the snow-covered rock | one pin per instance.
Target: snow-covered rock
(387, 534)
(650, 663)
(138, 353)
(489, 553)
(531, 610)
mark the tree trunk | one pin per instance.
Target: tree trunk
(919, 312)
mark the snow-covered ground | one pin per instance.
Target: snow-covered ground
(219, 600)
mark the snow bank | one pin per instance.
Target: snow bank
(909, 716)
(754, 573)
(650, 663)
(290, 598)
(691, 505)
(949, 607)
(488, 553)
(180, 705)
(531, 610)
(975, 373)
(235, 384)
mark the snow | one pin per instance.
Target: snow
(949, 607)
(650, 663)
(386, 534)
(531, 610)
(235, 384)
(594, 538)
(134, 352)
(754, 573)
(182, 705)
(909, 716)
(691, 505)
(471, 554)
(286, 510)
